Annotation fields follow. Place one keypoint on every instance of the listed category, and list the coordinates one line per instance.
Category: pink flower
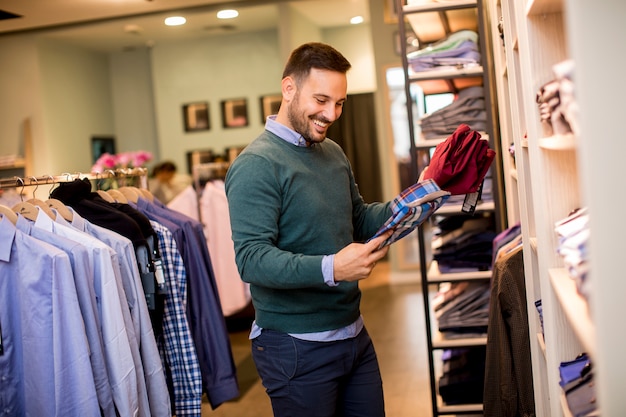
(131, 159)
(139, 158)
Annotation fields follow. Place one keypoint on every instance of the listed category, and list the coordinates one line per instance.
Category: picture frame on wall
(101, 145)
(235, 113)
(269, 105)
(196, 116)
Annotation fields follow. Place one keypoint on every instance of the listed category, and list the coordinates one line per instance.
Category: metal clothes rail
(121, 174)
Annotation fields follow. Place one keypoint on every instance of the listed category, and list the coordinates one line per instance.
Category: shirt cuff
(328, 262)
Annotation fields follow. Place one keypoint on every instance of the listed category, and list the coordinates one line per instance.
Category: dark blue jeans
(321, 379)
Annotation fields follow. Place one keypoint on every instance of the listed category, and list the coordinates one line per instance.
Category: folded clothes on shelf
(578, 385)
(558, 110)
(573, 232)
(468, 108)
(459, 49)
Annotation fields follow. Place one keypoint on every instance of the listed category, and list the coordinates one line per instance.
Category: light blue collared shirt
(82, 268)
(116, 341)
(154, 400)
(45, 367)
(295, 138)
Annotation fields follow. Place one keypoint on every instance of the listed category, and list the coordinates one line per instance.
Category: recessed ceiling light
(227, 14)
(175, 21)
(356, 20)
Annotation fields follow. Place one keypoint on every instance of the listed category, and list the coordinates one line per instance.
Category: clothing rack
(120, 174)
(208, 171)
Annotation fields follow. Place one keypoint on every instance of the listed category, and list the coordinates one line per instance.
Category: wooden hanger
(60, 208)
(108, 197)
(118, 196)
(146, 194)
(26, 209)
(131, 193)
(8, 213)
(46, 208)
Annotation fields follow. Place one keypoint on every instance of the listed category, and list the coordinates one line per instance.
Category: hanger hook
(51, 178)
(36, 185)
(18, 181)
(98, 184)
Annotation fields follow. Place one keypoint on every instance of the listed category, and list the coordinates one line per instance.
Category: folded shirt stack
(459, 49)
(468, 108)
(573, 233)
(557, 105)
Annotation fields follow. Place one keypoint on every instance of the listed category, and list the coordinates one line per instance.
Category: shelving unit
(432, 21)
(554, 174)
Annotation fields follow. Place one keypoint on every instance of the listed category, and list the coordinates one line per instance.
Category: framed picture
(196, 116)
(269, 105)
(235, 113)
(101, 145)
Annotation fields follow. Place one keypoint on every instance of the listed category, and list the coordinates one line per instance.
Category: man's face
(317, 103)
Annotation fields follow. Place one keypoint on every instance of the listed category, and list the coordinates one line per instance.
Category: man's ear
(288, 88)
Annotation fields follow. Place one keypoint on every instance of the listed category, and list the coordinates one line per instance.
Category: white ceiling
(120, 24)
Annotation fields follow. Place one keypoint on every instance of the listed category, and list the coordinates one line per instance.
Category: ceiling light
(175, 21)
(356, 20)
(227, 14)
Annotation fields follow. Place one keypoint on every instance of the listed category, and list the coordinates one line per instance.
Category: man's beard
(301, 123)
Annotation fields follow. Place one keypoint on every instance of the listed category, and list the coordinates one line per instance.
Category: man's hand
(356, 261)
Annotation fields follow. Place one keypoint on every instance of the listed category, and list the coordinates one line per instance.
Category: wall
(20, 91)
(212, 69)
(133, 103)
(63, 91)
(77, 103)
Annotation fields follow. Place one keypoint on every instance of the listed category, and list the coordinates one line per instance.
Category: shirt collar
(284, 132)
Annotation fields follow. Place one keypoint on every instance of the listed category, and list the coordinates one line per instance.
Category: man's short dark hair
(165, 166)
(314, 55)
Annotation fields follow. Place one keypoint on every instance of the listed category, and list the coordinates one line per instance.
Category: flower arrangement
(132, 159)
(123, 160)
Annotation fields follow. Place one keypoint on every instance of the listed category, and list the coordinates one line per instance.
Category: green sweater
(289, 206)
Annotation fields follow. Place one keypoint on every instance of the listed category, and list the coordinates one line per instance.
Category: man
(166, 182)
(296, 217)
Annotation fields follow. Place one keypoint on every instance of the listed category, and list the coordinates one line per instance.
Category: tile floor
(395, 319)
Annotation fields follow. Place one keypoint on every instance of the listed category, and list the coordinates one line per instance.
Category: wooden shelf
(446, 74)
(425, 7)
(423, 143)
(575, 307)
(539, 7)
(17, 163)
(436, 277)
(461, 408)
(456, 208)
(559, 143)
(439, 342)
(542, 343)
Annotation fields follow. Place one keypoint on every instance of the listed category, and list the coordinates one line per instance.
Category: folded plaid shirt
(411, 207)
